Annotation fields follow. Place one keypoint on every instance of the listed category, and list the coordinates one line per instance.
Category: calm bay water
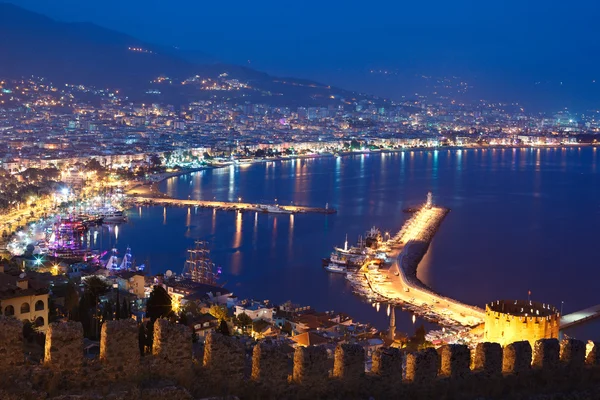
(522, 219)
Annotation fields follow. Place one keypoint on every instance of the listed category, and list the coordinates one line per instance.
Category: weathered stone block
(269, 365)
(488, 359)
(224, 356)
(310, 365)
(172, 349)
(119, 348)
(64, 345)
(349, 361)
(572, 353)
(516, 357)
(11, 343)
(546, 353)
(387, 362)
(456, 360)
(422, 367)
(592, 353)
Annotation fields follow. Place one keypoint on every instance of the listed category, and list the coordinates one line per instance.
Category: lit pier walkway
(394, 285)
(224, 205)
(579, 317)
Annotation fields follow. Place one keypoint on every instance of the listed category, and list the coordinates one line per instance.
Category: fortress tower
(508, 321)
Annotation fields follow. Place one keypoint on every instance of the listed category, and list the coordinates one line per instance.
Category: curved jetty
(397, 283)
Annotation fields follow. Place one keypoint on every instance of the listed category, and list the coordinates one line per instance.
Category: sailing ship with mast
(199, 267)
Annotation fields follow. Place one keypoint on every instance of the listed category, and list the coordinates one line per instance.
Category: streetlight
(117, 309)
(562, 303)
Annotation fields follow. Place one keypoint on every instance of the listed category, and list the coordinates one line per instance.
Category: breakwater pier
(231, 206)
(397, 283)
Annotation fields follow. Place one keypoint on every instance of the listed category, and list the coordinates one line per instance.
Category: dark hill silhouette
(85, 53)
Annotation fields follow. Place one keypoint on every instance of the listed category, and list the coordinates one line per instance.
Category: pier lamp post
(562, 303)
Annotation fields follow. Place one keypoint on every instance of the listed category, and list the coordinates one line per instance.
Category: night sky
(504, 44)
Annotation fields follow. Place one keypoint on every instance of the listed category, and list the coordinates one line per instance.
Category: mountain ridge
(86, 53)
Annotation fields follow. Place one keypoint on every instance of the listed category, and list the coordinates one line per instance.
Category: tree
(420, 335)
(28, 331)
(223, 328)
(260, 153)
(94, 287)
(142, 338)
(125, 311)
(155, 160)
(244, 321)
(107, 315)
(183, 319)
(71, 300)
(158, 304)
(190, 308)
(287, 328)
(260, 325)
(218, 312)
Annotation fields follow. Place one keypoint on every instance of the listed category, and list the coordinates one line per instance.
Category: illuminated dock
(235, 206)
(398, 284)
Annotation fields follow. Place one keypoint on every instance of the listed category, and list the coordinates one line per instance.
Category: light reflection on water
(520, 220)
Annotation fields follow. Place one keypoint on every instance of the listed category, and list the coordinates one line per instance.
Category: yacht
(336, 268)
(274, 209)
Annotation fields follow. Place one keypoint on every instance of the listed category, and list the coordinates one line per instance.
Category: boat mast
(199, 267)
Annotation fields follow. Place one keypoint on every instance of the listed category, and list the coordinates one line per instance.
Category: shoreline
(138, 189)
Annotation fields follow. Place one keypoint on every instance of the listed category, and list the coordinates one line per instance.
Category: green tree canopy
(94, 287)
(244, 321)
(158, 304)
(218, 312)
(71, 300)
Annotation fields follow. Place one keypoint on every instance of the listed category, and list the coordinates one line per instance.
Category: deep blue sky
(506, 44)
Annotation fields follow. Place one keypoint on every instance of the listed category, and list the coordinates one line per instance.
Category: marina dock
(231, 206)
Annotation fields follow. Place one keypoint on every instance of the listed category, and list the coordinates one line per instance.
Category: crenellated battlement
(509, 320)
(267, 371)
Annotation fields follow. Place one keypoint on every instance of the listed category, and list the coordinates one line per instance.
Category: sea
(523, 224)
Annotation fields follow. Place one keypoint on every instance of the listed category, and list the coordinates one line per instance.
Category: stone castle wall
(228, 368)
(506, 327)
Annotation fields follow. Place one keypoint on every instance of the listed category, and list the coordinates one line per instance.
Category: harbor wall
(412, 254)
(415, 250)
(269, 371)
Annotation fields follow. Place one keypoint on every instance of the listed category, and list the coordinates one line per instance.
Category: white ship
(273, 209)
(113, 261)
(336, 268)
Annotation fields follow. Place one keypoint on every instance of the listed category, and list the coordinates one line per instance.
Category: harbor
(382, 269)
